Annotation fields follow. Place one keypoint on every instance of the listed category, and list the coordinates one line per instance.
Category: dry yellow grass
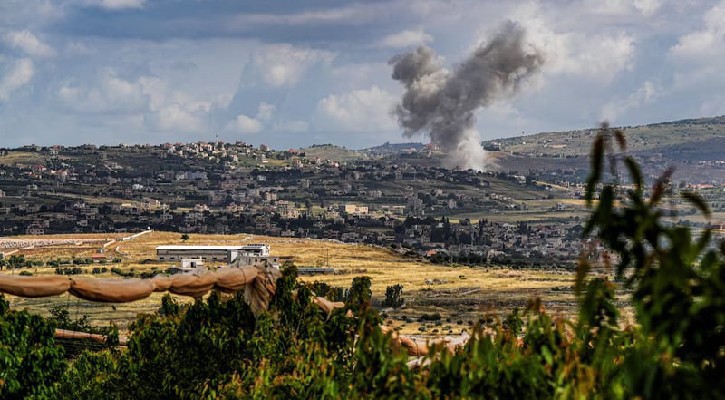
(22, 157)
(384, 266)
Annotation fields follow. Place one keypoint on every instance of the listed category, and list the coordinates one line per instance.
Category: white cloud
(78, 48)
(108, 94)
(244, 124)
(28, 43)
(116, 4)
(265, 111)
(156, 90)
(707, 43)
(406, 38)
(349, 14)
(177, 117)
(311, 17)
(284, 65)
(599, 56)
(713, 106)
(172, 110)
(647, 7)
(149, 98)
(646, 94)
(366, 110)
(18, 75)
(698, 59)
(294, 126)
(623, 7)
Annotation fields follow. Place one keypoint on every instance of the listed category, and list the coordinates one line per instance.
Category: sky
(292, 73)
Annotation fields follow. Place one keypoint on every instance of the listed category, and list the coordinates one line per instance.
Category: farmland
(456, 293)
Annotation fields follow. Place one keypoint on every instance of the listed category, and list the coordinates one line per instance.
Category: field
(331, 152)
(458, 294)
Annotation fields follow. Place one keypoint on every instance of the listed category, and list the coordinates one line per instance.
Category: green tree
(394, 296)
(678, 280)
(16, 261)
(30, 361)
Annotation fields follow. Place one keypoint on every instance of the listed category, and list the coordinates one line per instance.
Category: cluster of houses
(235, 187)
(492, 241)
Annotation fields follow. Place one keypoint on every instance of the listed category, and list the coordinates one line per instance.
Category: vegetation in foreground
(219, 349)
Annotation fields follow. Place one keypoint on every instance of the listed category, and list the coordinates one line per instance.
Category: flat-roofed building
(251, 254)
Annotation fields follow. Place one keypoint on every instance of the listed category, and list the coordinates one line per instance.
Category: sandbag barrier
(75, 335)
(258, 284)
(112, 290)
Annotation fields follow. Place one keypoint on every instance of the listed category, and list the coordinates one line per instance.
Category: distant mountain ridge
(702, 138)
(706, 135)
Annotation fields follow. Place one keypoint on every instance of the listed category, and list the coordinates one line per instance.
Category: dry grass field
(22, 157)
(460, 294)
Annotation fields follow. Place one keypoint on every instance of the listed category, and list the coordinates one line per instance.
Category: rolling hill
(703, 138)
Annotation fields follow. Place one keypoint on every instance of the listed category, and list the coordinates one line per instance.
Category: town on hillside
(525, 209)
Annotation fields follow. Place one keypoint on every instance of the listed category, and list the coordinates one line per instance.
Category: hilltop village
(395, 196)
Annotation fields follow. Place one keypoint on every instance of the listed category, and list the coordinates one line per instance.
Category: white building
(251, 254)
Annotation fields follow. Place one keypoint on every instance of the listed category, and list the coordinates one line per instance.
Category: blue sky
(291, 73)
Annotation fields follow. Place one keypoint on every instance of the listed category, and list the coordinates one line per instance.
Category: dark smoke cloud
(442, 103)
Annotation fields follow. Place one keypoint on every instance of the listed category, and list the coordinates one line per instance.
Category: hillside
(388, 148)
(702, 136)
(331, 152)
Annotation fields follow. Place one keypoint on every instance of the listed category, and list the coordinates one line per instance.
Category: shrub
(393, 296)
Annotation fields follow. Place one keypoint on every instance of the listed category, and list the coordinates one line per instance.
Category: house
(35, 229)
(99, 257)
(352, 209)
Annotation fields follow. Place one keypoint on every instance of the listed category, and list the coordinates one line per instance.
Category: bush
(430, 317)
(69, 271)
(30, 361)
(393, 296)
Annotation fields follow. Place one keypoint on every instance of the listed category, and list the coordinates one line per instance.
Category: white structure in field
(251, 254)
(189, 265)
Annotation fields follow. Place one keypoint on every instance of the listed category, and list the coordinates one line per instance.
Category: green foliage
(678, 284)
(18, 261)
(394, 296)
(69, 271)
(30, 361)
(92, 375)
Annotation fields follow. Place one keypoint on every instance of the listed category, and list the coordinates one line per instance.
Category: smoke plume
(442, 102)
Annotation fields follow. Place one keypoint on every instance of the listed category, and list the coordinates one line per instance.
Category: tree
(16, 261)
(30, 361)
(393, 296)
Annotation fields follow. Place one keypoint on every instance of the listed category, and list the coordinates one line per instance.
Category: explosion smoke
(442, 103)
